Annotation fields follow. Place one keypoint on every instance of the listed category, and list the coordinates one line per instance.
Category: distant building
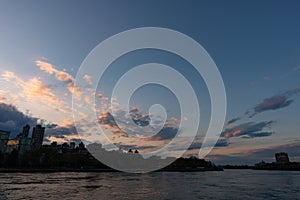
(24, 145)
(282, 158)
(81, 145)
(37, 136)
(25, 132)
(72, 145)
(4, 137)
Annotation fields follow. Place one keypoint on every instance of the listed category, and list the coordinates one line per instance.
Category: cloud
(166, 133)
(222, 142)
(275, 102)
(59, 75)
(13, 120)
(33, 88)
(88, 79)
(249, 129)
(107, 119)
(296, 68)
(233, 120)
(138, 118)
(61, 131)
(259, 134)
(3, 99)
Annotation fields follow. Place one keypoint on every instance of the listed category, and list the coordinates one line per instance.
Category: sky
(255, 45)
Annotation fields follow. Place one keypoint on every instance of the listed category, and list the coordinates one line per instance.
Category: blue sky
(255, 45)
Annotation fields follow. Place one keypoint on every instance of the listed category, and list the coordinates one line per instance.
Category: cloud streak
(59, 75)
(249, 129)
(233, 120)
(275, 102)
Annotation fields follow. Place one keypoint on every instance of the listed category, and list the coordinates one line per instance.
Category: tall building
(25, 132)
(282, 158)
(72, 145)
(37, 136)
(24, 140)
(24, 144)
(4, 137)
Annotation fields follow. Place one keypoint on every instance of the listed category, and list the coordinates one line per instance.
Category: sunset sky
(255, 44)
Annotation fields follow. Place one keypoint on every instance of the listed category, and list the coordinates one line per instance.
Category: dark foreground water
(229, 184)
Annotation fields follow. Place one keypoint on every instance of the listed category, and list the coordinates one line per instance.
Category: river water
(228, 184)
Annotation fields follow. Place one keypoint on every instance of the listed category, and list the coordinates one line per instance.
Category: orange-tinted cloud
(249, 129)
(2, 99)
(34, 87)
(59, 74)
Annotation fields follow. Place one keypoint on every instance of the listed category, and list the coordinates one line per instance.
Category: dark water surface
(229, 184)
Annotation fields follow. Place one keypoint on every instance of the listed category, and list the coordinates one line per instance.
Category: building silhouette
(72, 145)
(282, 158)
(24, 145)
(4, 137)
(37, 136)
(25, 132)
(24, 140)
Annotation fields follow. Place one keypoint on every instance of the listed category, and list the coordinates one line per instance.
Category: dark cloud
(126, 147)
(138, 118)
(13, 120)
(166, 133)
(233, 120)
(275, 102)
(260, 134)
(222, 142)
(250, 129)
(107, 119)
(61, 131)
(59, 136)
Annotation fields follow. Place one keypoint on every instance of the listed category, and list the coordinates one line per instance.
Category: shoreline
(4, 170)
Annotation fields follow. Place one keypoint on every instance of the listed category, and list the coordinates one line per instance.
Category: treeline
(47, 157)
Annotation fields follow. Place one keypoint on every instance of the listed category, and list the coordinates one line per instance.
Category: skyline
(257, 55)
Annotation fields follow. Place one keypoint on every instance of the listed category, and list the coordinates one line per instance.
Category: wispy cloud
(3, 99)
(166, 133)
(59, 74)
(296, 68)
(32, 88)
(222, 142)
(250, 129)
(233, 120)
(274, 103)
(35, 87)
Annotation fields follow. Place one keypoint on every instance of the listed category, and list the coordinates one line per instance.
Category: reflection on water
(229, 184)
